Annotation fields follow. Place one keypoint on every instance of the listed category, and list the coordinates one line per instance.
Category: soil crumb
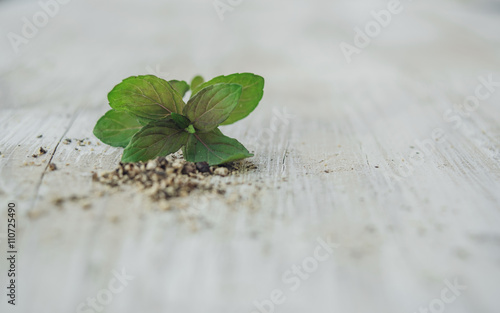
(41, 151)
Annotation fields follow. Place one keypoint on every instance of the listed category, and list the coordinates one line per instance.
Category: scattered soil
(83, 142)
(33, 163)
(171, 176)
(59, 201)
(52, 166)
(79, 142)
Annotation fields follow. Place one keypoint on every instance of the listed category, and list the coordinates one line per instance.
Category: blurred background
(288, 42)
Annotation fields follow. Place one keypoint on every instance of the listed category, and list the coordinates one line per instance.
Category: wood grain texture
(335, 149)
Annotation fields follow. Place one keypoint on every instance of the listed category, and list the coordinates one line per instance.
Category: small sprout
(157, 122)
(190, 129)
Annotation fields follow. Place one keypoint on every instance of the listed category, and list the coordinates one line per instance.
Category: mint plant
(149, 117)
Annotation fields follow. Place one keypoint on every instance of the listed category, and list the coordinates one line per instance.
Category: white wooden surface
(326, 172)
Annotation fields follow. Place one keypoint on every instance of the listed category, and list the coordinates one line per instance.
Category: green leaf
(214, 148)
(180, 86)
(197, 80)
(253, 90)
(212, 106)
(116, 128)
(158, 138)
(180, 120)
(146, 96)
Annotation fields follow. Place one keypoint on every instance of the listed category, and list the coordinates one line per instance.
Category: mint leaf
(180, 120)
(197, 80)
(116, 128)
(253, 90)
(214, 148)
(146, 96)
(180, 86)
(212, 106)
(158, 138)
